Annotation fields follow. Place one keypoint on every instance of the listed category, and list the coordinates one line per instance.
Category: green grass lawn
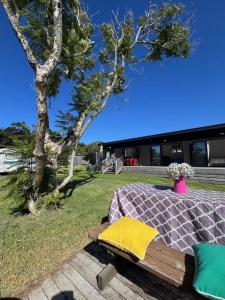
(31, 247)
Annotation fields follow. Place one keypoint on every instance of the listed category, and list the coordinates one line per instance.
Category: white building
(8, 160)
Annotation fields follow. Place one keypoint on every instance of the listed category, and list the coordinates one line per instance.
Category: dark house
(200, 147)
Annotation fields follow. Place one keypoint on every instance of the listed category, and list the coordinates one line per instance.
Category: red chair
(135, 162)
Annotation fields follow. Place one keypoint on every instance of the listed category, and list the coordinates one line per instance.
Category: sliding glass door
(172, 153)
(199, 157)
(155, 155)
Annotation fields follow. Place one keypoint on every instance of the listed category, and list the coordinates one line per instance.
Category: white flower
(175, 171)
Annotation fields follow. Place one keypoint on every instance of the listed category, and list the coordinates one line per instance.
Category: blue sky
(171, 95)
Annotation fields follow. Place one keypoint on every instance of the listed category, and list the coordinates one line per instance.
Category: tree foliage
(17, 131)
(35, 19)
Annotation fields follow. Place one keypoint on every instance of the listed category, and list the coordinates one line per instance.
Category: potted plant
(178, 173)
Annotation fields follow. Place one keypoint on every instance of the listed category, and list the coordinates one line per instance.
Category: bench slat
(166, 272)
(167, 259)
(160, 247)
(169, 264)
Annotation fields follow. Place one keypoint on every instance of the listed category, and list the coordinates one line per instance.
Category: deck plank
(87, 272)
(37, 294)
(136, 279)
(115, 283)
(51, 290)
(81, 283)
(140, 280)
(77, 280)
(66, 286)
(136, 289)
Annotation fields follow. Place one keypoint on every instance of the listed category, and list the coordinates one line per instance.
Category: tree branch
(105, 96)
(70, 171)
(54, 57)
(15, 26)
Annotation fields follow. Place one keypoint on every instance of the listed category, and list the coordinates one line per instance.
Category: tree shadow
(67, 191)
(64, 295)
(19, 210)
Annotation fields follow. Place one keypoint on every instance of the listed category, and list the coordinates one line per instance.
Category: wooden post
(109, 271)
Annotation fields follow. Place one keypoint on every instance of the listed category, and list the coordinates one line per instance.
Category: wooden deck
(202, 174)
(77, 281)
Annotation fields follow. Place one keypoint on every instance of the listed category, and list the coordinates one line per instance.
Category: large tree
(54, 35)
(61, 33)
(17, 13)
(158, 33)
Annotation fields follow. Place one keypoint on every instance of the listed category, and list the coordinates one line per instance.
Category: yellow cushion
(129, 235)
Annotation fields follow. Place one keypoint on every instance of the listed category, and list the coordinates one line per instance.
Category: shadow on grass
(70, 187)
(67, 191)
(19, 210)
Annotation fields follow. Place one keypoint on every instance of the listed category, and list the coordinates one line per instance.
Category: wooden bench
(169, 264)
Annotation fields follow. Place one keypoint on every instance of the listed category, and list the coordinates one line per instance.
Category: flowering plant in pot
(178, 173)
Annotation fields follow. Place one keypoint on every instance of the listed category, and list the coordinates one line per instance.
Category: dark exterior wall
(130, 151)
(144, 155)
(217, 149)
(119, 152)
(186, 152)
(215, 146)
(216, 153)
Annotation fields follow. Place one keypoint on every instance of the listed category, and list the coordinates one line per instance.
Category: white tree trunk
(71, 141)
(42, 120)
(42, 73)
(70, 171)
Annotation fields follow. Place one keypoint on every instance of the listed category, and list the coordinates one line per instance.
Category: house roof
(206, 132)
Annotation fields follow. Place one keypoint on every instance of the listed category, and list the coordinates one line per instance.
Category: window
(155, 155)
(199, 156)
(177, 148)
(171, 153)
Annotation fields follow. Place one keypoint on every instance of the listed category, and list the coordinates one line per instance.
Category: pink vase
(180, 186)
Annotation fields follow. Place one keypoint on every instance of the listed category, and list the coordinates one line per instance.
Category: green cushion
(210, 270)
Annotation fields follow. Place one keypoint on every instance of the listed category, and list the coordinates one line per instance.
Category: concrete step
(210, 180)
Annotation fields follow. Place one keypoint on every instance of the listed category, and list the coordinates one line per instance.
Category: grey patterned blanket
(182, 220)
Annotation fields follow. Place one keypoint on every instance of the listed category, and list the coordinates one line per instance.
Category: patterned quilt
(182, 220)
